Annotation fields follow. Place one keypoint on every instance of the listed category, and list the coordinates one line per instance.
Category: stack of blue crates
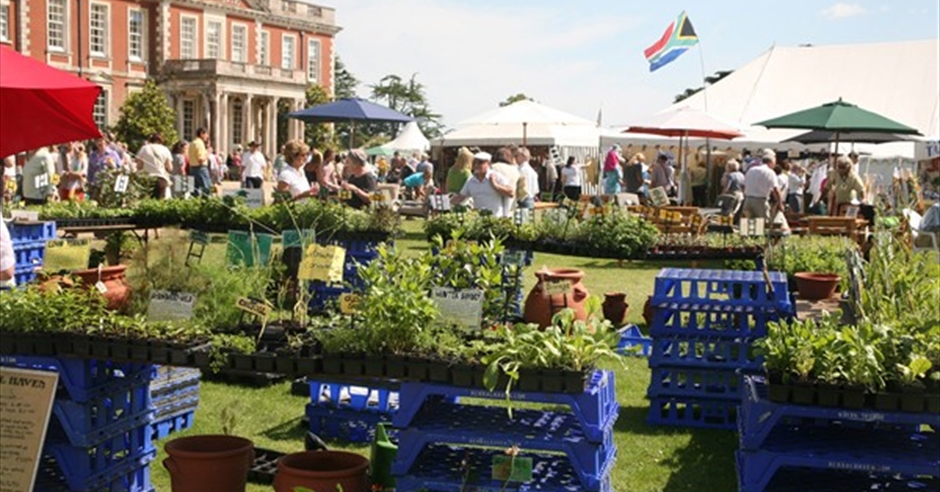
(445, 445)
(174, 392)
(347, 412)
(29, 247)
(357, 253)
(789, 446)
(99, 434)
(704, 324)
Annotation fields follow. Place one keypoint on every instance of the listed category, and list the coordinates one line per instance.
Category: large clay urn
(540, 307)
(118, 291)
(322, 470)
(615, 307)
(209, 463)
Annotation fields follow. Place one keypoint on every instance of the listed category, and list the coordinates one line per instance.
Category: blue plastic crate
(30, 254)
(172, 423)
(532, 430)
(892, 453)
(738, 287)
(343, 424)
(322, 295)
(168, 379)
(692, 412)
(725, 320)
(633, 342)
(795, 479)
(443, 468)
(595, 408)
(85, 468)
(24, 276)
(184, 399)
(760, 417)
(695, 383)
(706, 353)
(127, 479)
(85, 379)
(99, 419)
(32, 231)
(352, 397)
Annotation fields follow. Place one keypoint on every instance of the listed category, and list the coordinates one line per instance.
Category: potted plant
(322, 470)
(209, 463)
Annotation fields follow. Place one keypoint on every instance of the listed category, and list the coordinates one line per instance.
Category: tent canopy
(537, 124)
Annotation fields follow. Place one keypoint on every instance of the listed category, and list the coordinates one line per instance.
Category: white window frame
(105, 28)
(188, 118)
(141, 36)
(244, 40)
(264, 51)
(4, 21)
(99, 111)
(194, 43)
(313, 59)
(216, 49)
(238, 120)
(63, 28)
(293, 52)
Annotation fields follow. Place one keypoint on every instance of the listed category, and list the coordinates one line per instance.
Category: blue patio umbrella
(352, 110)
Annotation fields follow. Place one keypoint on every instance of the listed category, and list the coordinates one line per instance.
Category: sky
(586, 56)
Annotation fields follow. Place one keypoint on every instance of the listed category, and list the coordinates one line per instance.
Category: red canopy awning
(41, 105)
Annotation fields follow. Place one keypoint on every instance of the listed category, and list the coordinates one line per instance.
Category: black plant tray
(265, 465)
(93, 222)
(131, 349)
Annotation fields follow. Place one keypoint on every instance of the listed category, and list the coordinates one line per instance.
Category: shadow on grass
(288, 430)
(705, 463)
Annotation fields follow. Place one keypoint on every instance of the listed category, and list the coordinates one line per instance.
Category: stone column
(299, 125)
(217, 121)
(249, 121)
(274, 136)
(271, 117)
(179, 115)
(224, 141)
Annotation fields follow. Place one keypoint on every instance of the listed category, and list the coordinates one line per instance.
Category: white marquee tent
(898, 80)
(409, 139)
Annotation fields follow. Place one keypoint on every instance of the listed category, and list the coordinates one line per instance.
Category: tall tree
(710, 80)
(408, 98)
(144, 113)
(318, 134)
(515, 98)
(344, 82)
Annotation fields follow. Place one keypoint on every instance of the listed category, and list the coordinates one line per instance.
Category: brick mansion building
(229, 65)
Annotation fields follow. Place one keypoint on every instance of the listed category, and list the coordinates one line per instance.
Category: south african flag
(679, 36)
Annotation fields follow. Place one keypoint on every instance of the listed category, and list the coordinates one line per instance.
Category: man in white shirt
(155, 160)
(530, 177)
(253, 166)
(760, 184)
(37, 176)
(487, 188)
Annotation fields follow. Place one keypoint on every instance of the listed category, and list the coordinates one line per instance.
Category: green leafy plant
(821, 254)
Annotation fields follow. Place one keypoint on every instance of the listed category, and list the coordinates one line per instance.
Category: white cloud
(842, 10)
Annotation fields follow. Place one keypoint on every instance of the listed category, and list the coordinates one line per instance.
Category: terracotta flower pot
(615, 307)
(322, 471)
(816, 286)
(540, 307)
(118, 291)
(209, 463)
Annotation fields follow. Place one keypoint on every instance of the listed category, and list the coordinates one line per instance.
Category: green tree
(345, 82)
(515, 98)
(710, 80)
(408, 98)
(318, 135)
(144, 113)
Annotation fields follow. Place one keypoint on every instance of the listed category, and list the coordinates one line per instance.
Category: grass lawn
(649, 458)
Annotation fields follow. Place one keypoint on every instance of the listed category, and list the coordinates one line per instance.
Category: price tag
(253, 306)
(101, 287)
(349, 303)
(121, 182)
(512, 468)
(556, 287)
(513, 258)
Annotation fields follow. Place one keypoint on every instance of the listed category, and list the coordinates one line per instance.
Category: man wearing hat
(487, 188)
(253, 166)
(760, 184)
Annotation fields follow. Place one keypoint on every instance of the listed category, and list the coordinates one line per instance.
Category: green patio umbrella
(839, 117)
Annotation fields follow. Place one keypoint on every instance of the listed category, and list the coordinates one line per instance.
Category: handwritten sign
(254, 197)
(462, 307)
(512, 258)
(24, 215)
(512, 468)
(349, 303)
(254, 306)
(26, 398)
(168, 306)
(658, 197)
(324, 263)
(556, 287)
(121, 182)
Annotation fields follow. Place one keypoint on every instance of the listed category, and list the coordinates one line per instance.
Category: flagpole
(708, 144)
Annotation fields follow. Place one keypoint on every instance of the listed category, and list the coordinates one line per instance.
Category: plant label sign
(512, 468)
(513, 258)
(658, 197)
(463, 307)
(101, 287)
(254, 197)
(556, 287)
(521, 216)
(169, 306)
(26, 398)
(349, 303)
(752, 227)
(24, 215)
(323, 263)
(440, 203)
(121, 182)
(253, 306)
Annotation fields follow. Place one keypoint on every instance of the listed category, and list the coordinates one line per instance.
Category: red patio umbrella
(41, 105)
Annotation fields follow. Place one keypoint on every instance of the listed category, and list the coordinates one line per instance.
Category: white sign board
(169, 306)
(254, 197)
(26, 398)
(121, 182)
(24, 215)
(462, 307)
